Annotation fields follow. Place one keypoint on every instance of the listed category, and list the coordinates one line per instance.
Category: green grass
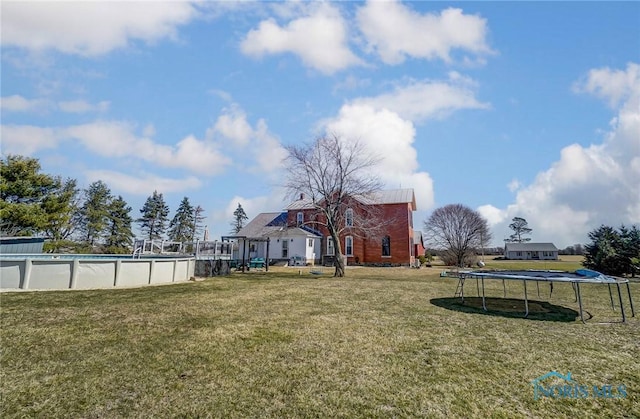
(380, 343)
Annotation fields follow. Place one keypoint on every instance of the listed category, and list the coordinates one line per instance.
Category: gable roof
(261, 225)
(272, 224)
(529, 247)
(390, 196)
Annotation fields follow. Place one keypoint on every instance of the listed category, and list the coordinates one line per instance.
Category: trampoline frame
(545, 276)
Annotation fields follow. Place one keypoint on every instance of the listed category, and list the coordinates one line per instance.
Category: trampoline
(576, 278)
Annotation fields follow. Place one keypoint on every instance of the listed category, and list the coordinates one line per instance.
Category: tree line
(90, 220)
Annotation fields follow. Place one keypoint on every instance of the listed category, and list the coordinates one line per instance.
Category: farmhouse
(268, 236)
(298, 234)
(531, 251)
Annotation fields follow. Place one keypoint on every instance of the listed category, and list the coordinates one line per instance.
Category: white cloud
(589, 186)
(420, 100)
(390, 138)
(268, 151)
(17, 103)
(232, 124)
(259, 143)
(142, 183)
(514, 185)
(319, 38)
(27, 139)
(613, 86)
(115, 139)
(90, 28)
(82, 106)
(118, 139)
(394, 31)
(492, 214)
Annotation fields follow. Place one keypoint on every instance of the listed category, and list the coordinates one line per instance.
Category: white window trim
(300, 218)
(346, 247)
(347, 218)
(332, 247)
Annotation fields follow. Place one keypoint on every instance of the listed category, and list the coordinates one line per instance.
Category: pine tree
(62, 216)
(239, 218)
(182, 226)
(94, 213)
(198, 218)
(520, 227)
(119, 235)
(23, 190)
(154, 219)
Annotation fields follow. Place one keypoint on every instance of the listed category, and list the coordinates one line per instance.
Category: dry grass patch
(291, 344)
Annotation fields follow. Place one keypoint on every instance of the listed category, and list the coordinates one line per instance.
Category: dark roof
(531, 247)
(273, 224)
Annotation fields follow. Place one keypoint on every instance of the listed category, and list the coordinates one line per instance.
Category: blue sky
(527, 109)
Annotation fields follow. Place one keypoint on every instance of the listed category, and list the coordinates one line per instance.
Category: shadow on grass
(508, 307)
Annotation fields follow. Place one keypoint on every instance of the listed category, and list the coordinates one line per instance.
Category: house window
(285, 248)
(348, 245)
(386, 246)
(300, 218)
(348, 217)
(330, 249)
(310, 244)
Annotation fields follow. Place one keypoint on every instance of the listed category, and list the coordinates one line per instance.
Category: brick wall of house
(369, 250)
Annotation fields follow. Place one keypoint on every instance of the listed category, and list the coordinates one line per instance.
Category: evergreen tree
(62, 214)
(198, 218)
(119, 236)
(239, 218)
(23, 191)
(613, 252)
(153, 221)
(520, 227)
(182, 226)
(95, 212)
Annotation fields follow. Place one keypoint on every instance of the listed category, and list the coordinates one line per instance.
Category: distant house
(530, 251)
(269, 237)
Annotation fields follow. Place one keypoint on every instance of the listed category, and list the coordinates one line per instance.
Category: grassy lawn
(379, 343)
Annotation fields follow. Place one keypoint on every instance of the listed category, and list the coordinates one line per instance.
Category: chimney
(301, 196)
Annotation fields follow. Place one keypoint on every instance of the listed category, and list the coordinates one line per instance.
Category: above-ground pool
(58, 271)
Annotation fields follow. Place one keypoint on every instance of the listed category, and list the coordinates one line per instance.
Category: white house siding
(531, 251)
(528, 255)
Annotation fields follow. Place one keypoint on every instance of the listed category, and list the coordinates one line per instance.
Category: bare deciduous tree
(458, 231)
(335, 174)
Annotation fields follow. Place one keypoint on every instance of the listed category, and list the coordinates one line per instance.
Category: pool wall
(33, 273)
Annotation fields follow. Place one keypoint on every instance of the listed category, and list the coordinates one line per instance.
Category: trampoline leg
(538, 287)
(613, 306)
(478, 287)
(573, 285)
(526, 302)
(550, 290)
(579, 301)
(624, 318)
(505, 289)
(462, 290)
(484, 305)
(633, 311)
